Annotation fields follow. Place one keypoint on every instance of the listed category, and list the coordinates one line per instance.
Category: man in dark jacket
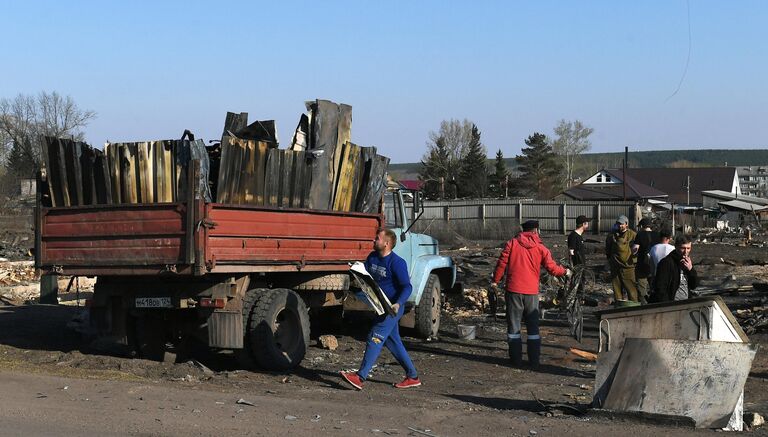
(645, 239)
(521, 261)
(675, 275)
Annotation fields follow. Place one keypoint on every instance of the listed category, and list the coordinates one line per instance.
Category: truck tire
(276, 325)
(332, 282)
(428, 310)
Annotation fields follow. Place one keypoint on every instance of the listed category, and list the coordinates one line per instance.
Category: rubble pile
(15, 246)
(19, 282)
(754, 319)
(17, 273)
(471, 302)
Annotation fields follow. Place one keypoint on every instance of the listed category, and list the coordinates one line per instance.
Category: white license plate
(153, 302)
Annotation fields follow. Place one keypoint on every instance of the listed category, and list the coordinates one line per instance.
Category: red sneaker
(353, 379)
(408, 383)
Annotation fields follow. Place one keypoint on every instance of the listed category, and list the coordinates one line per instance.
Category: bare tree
(446, 148)
(572, 140)
(25, 119)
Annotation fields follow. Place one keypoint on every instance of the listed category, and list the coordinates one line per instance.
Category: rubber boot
(516, 352)
(534, 352)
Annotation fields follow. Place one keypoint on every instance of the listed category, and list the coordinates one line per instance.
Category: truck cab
(430, 272)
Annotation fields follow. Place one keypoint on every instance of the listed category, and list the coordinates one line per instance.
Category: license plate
(153, 302)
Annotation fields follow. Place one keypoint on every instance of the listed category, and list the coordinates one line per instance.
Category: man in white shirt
(659, 251)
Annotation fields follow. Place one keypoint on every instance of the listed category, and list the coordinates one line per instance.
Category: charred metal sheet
(233, 123)
(377, 183)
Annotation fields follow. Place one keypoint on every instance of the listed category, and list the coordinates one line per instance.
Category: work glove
(568, 273)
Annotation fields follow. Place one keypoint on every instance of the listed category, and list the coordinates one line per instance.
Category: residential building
(754, 180)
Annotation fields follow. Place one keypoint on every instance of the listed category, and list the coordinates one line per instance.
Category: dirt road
(51, 387)
(53, 384)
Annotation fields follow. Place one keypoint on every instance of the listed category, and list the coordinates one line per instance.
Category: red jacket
(521, 260)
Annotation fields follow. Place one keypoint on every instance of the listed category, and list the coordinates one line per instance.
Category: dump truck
(230, 277)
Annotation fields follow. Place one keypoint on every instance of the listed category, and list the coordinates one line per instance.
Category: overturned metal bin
(706, 320)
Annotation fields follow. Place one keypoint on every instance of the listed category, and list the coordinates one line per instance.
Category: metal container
(466, 332)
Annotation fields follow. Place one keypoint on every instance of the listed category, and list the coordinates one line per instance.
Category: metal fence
(553, 216)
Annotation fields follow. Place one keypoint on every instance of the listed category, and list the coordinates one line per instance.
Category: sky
(651, 75)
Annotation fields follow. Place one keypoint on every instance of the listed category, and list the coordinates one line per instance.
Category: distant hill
(591, 162)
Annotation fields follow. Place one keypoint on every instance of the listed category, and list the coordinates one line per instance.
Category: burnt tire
(428, 310)
(276, 327)
(332, 282)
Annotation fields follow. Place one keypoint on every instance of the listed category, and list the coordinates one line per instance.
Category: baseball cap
(530, 225)
(623, 220)
(581, 219)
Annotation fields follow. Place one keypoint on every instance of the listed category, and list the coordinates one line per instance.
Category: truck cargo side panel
(272, 236)
(136, 235)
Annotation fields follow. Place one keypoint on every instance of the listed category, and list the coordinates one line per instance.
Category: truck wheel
(276, 328)
(332, 282)
(428, 310)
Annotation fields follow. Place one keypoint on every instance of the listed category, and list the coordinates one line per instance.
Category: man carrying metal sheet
(391, 274)
(521, 261)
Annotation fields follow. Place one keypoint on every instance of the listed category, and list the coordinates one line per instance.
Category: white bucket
(466, 332)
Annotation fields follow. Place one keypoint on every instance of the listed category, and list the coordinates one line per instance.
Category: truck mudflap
(425, 265)
(225, 329)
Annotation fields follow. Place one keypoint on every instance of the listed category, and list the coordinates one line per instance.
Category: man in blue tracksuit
(391, 273)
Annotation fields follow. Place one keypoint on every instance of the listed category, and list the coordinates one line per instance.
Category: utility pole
(506, 186)
(624, 172)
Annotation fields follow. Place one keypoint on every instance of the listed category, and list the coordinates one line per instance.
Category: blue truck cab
(431, 273)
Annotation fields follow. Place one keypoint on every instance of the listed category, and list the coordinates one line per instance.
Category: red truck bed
(209, 238)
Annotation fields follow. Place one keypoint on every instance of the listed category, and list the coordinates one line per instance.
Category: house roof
(673, 181)
(412, 184)
(741, 205)
(726, 195)
(635, 190)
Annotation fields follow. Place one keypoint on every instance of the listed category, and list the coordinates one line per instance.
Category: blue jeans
(386, 332)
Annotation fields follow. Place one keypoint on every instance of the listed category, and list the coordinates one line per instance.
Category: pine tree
(473, 175)
(500, 177)
(21, 161)
(434, 172)
(539, 167)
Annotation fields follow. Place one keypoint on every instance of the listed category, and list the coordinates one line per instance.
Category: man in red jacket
(521, 261)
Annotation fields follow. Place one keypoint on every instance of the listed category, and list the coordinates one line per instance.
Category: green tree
(434, 172)
(572, 140)
(539, 167)
(499, 179)
(473, 174)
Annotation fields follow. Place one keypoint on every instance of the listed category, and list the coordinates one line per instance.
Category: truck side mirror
(417, 201)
